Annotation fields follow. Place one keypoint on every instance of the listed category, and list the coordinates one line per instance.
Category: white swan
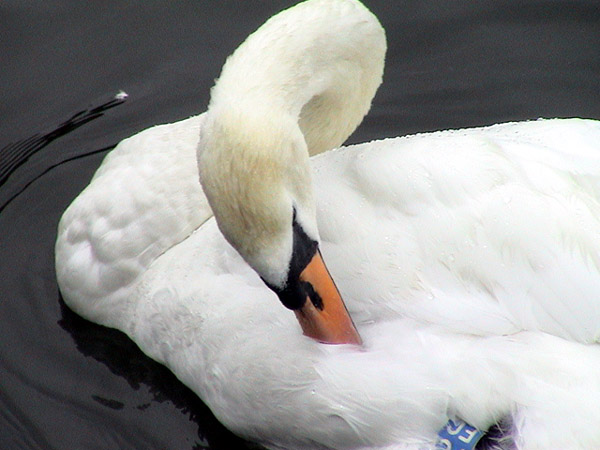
(468, 260)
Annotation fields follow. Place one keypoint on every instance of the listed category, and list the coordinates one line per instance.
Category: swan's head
(255, 172)
(297, 86)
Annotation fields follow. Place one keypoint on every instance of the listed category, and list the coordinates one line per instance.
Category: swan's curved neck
(319, 62)
(297, 86)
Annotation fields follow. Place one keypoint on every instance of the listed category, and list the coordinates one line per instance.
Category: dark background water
(68, 384)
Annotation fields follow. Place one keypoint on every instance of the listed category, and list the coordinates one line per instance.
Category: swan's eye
(313, 295)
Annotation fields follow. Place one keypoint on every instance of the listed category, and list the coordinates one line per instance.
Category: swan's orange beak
(324, 316)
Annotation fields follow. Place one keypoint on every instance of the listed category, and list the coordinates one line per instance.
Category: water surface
(68, 384)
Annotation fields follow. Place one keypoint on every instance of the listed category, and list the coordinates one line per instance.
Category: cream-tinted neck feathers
(320, 62)
(252, 189)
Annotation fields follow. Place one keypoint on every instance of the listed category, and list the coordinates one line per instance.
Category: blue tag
(458, 435)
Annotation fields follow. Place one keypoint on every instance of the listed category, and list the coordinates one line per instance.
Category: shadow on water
(123, 358)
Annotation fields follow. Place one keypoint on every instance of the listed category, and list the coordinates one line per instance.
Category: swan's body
(469, 261)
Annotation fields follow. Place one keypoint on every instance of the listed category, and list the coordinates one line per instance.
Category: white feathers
(456, 267)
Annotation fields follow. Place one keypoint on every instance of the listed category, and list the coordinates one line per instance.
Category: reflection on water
(18, 153)
(67, 383)
(124, 359)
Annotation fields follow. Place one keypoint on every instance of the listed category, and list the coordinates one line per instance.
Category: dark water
(68, 384)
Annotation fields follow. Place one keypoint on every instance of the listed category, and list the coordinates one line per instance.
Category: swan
(457, 272)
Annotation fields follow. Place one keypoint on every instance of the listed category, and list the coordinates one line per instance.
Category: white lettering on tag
(454, 431)
(470, 435)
